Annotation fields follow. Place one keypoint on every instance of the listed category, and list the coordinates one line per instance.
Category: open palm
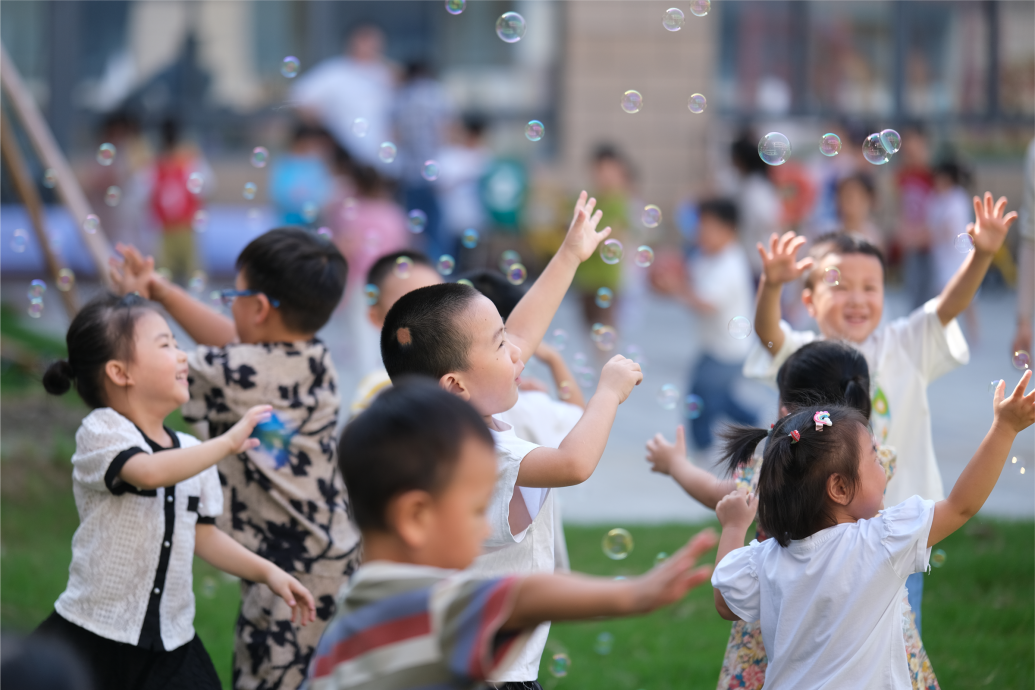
(582, 238)
(990, 225)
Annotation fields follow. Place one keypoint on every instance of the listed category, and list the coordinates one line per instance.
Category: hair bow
(822, 419)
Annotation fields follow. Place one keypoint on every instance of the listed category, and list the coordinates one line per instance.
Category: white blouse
(130, 579)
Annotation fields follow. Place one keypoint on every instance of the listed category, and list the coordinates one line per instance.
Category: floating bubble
(446, 264)
(644, 256)
(674, 19)
(91, 224)
(386, 152)
(289, 67)
(604, 297)
(209, 587)
(50, 178)
(611, 251)
(106, 154)
(403, 267)
(250, 191)
(260, 157)
(65, 279)
(510, 27)
(605, 641)
(1021, 360)
(455, 6)
(310, 211)
(560, 664)
(770, 344)
(429, 171)
(508, 258)
(891, 140)
(198, 281)
(372, 294)
(565, 389)
(832, 276)
(668, 396)
(874, 151)
(617, 544)
(635, 353)
(516, 274)
(559, 339)
(964, 243)
(993, 385)
(651, 217)
(937, 558)
(255, 215)
(830, 144)
(699, 8)
(580, 359)
(632, 101)
(37, 289)
(360, 127)
(112, 196)
(739, 327)
(470, 238)
(36, 309)
(694, 406)
(324, 232)
(697, 103)
(416, 221)
(19, 240)
(200, 221)
(605, 337)
(465, 281)
(774, 148)
(660, 558)
(534, 130)
(195, 182)
(586, 376)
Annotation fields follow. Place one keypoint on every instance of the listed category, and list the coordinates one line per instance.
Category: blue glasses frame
(228, 296)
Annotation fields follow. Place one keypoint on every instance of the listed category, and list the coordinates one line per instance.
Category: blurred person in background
(949, 210)
(358, 85)
(120, 193)
(463, 163)
(300, 181)
(856, 200)
(174, 204)
(913, 238)
(1026, 258)
(758, 205)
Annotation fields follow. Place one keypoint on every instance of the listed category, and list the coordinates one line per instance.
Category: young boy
(844, 293)
(287, 500)
(421, 466)
(455, 335)
(719, 290)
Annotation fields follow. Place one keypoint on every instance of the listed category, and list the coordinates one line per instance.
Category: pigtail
(58, 378)
(739, 443)
(857, 395)
(780, 476)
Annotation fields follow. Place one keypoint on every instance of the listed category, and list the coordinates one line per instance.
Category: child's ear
(410, 515)
(118, 373)
(263, 309)
(837, 490)
(453, 383)
(806, 299)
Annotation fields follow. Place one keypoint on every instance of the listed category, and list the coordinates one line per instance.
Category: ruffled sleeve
(736, 578)
(905, 529)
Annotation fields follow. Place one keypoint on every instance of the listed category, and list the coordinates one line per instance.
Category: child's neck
(150, 422)
(381, 546)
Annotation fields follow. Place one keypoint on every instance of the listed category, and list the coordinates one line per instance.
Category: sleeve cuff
(206, 520)
(112, 480)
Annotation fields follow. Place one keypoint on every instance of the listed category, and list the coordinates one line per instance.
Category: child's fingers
(979, 207)
(805, 263)
(774, 240)
(603, 234)
(681, 438)
(697, 576)
(1000, 393)
(590, 205)
(1018, 391)
(579, 204)
(1009, 218)
(1000, 206)
(988, 204)
(702, 542)
(762, 253)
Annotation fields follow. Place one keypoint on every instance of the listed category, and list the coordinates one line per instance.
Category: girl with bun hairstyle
(147, 498)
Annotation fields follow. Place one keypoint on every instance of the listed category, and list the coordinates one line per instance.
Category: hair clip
(795, 436)
(822, 419)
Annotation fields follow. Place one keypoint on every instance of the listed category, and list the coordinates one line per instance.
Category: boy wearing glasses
(286, 500)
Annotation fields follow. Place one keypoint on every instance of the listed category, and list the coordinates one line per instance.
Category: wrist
(768, 286)
(1002, 429)
(158, 288)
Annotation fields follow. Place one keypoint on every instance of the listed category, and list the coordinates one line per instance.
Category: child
(948, 213)
(421, 467)
(455, 335)
(844, 293)
(719, 290)
(147, 498)
(856, 199)
(827, 587)
(289, 505)
(174, 205)
(822, 372)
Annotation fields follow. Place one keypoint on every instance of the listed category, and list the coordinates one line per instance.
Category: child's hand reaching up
(582, 238)
(619, 376)
(662, 455)
(779, 264)
(135, 273)
(990, 225)
(737, 510)
(238, 437)
(1017, 412)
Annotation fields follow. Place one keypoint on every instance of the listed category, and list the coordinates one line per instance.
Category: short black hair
(825, 372)
(422, 335)
(744, 154)
(301, 270)
(954, 170)
(410, 438)
(723, 210)
(840, 243)
(500, 291)
(862, 178)
(386, 264)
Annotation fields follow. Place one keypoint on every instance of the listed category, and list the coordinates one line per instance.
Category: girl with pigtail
(828, 588)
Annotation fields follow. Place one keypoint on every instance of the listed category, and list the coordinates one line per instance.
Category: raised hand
(134, 272)
(990, 225)
(1016, 412)
(619, 376)
(779, 263)
(668, 582)
(737, 509)
(239, 435)
(662, 455)
(582, 238)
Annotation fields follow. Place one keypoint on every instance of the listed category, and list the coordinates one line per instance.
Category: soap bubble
(50, 178)
(635, 353)
(416, 221)
(644, 256)
(632, 101)
(660, 558)
(455, 6)
(580, 359)
(774, 148)
(699, 8)
(674, 19)
(470, 238)
(651, 217)
(611, 251)
(36, 309)
(195, 182)
(465, 281)
(403, 267)
(37, 289)
(668, 396)
(446, 264)
(510, 27)
(65, 279)
(606, 337)
(19, 240)
(209, 587)
(565, 390)
(360, 127)
(694, 406)
(310, 211)
(289, 67)
(617, 544)
(200, 222)
(324, 232)
(260, 157)
(830, 144)
(739, 327)
(516, 274)
(605, 641)
(832, 276)
(993, 385)
(106, 154)
(697, 103)
(604, 297)
(112, 196)
(560, 664)
(586, 377)
(386, 152)
(559, 339)
(937, 558)
(91, 224)
(508, 258)
(534, 130)
(429, 171)
(891, 140)
(250, 191)
(874, 151)
(1021, 359)
(372, 294)
(963, 243)
(198, 281)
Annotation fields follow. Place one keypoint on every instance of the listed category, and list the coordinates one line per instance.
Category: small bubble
(964, 243)
(993, 385)
(565, 390)
(605, 641)
(774, 148)
(605, 337)
(360, 127)
(874, 151)
(416, 221)
(559, 339)
(651, 217)
(386, 152)
(198, 282)
(324, 232)
(507, 258)
(694, 406)
(830, 144)
(349, 208)
(195, 182)
(1014, 460)
(403, 267)
(700, 8)
(510, 27)
(517, 274)
(660, 558)
(674, 19)
(446, 264)
(697, 103)
(632, 101)
(65, 279)
(249, 191)
(1021, 359)
(50, 178)
(891, 140)
(37, 289)
(832, 276)
(668, 396)
(465, 281)
(617, 544)
(209, 587)
(455, 6)
(611, 251)
(580, 359)
(112, 196)
(91, 224)
(36, 309)
(534, 130)
(770, 344)
(19, 240)
(635, 353)
(644, 256)
(309, 211)
(560, 664)
(739, 327)
(106, 154)
(604, 297)
(470, 238)
(260, 156)
(586, 376)
(289, 67)
(372, 294)
(937, 558)
(429, 171)
(200, 222)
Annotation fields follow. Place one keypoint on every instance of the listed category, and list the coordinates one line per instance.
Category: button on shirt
(130, 579)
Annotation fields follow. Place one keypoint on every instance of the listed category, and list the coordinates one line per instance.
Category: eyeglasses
(227, 297)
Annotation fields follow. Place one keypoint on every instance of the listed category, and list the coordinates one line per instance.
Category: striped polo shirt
(402, 626)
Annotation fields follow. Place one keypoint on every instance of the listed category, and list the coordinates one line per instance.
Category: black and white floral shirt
(130, 579)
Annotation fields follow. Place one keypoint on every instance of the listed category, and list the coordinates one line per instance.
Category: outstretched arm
(735, 511)
(671, 459)
(988, 232)
(779, 266)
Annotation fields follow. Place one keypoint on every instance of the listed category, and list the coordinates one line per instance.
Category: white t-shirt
(830, 605)
(724, 281)
(538, 418)
(531, 550)
(947, 216)
(904, 356)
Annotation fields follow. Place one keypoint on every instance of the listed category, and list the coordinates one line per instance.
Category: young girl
(824, 372)
(147, 498)
(828, 587)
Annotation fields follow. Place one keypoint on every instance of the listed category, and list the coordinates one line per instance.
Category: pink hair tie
(795, 436)
(822, 419)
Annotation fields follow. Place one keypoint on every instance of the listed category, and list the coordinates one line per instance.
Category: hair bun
(58, 377)
(856, 395)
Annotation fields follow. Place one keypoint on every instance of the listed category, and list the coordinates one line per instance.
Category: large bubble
(874, 151)
(510, 27)
(674, 19)
(774, 148)
(632, 101)
(830, 144)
